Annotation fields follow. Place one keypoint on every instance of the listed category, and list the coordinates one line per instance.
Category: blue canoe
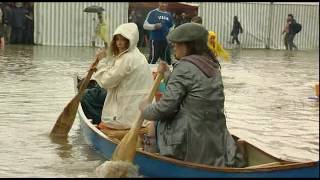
(261, 164)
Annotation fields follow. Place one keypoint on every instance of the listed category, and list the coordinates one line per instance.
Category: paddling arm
(111, 77)
(177, 87)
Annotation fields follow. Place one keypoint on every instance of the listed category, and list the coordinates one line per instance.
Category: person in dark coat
(18, 23)
(236, 29)
(92, 102)
(28, 37)
(290, 33)
(2, 42)
(182, 20)
(198, 135)
(7, 22)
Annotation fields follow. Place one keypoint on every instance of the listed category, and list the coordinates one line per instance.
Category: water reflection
(235, 54)
(65, 148)
(20, 65)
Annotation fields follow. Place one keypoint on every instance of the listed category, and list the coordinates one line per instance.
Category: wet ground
(266, 103)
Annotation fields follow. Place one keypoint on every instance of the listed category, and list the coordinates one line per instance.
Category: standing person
(2, 42)
(18, 23)
(183, 19)
(191, 124)
(139, 22)
(132, 16)
(286, 31)
(28, 38)
(7, 10)
(176, 19)
(159, 22)
(236, 29)
(136, 17)
(125, 75)
(101, 31)
(290, 33)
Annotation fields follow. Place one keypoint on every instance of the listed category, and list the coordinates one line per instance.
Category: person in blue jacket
(159, 22)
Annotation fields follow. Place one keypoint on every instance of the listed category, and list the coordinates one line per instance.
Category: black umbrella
(93, 9)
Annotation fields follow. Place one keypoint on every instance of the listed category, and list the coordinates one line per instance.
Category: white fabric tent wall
(306, 15)
(262, 23)
(65, 23)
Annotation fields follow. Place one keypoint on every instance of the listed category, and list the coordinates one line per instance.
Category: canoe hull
(153, 167)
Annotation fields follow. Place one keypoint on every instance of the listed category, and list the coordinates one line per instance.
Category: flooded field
(266, 103)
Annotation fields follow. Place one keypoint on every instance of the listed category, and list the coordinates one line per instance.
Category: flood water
(266, 104)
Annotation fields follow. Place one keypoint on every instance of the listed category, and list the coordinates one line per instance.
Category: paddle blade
(66, 118)
(126, 149)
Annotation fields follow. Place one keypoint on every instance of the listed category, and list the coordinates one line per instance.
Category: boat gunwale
(285, 166)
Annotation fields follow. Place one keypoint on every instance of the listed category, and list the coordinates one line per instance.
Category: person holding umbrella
(101, 29)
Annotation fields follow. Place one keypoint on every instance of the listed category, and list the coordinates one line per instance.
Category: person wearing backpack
(291, 29)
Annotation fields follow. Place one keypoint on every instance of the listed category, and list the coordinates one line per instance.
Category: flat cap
(188, 32)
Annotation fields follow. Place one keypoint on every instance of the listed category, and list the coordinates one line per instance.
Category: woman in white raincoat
(126, 76)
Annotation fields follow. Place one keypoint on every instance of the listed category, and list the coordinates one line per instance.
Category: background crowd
(16, 22)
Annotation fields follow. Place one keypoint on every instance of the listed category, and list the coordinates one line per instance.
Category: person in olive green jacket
(191, 124)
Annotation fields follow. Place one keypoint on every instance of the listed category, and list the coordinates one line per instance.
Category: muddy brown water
(266, 103)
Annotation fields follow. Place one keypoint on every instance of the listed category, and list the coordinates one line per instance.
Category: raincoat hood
(212, 35)
(216, 47)
(130, 32)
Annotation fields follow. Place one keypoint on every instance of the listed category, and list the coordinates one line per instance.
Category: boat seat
(118, 134)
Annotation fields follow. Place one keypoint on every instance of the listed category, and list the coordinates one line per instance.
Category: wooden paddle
(66, 118)
(126, 149)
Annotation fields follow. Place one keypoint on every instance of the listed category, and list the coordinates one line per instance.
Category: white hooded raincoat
(127, 79)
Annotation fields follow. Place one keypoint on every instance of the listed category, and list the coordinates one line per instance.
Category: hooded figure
(127, 79)
(216, 47)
